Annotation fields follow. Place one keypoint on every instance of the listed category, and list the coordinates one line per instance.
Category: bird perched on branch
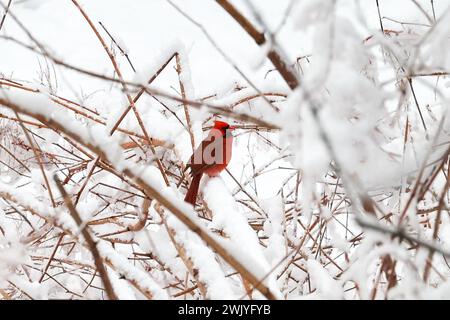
(211, 157)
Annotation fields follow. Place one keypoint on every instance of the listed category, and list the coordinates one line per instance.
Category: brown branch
(52, 221)
(223, 110)
(437, 222)
(125, 89)
(222, 53)
(283, 68)
(417, 104)
(59, 101)
(185, 105)
(140, 224)
(401, 234)
(38, 158)
(139, 94)
(182, 253)
(51, 257)
(91, 243)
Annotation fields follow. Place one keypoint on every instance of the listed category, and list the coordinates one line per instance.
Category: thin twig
(118, 46)
(5, 14)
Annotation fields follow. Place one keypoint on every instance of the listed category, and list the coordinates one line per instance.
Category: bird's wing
(197, 162)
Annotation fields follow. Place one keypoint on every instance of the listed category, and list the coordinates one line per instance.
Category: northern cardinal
(211, 157)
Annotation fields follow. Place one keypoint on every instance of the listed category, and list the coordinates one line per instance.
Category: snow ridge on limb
(226, 217)
(209, 271)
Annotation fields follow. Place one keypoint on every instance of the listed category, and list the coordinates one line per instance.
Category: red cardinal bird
(211, 157)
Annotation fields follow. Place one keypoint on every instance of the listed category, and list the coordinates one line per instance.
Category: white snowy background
(337, 189)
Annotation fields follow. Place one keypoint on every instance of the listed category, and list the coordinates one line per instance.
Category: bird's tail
(191, 195)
